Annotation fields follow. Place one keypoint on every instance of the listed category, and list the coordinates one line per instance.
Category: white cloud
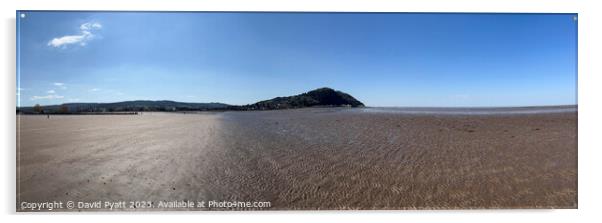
(51, 92)
(94, 89)
(85, 34)
(49, 97)
(60, 85)
(90, 25)
(66, 40)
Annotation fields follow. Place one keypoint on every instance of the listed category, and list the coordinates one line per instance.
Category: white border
(589, 109)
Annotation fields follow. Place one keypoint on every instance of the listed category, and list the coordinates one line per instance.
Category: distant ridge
(320, 97)
(126, 106)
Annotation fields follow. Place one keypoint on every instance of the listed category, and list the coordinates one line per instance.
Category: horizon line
(366, 106)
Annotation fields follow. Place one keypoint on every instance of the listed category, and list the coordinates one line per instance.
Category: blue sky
(393, 59)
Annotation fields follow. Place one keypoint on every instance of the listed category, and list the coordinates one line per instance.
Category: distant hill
(319, 97)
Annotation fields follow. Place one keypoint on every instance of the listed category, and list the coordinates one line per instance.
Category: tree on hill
(63, 109)
(37, 108)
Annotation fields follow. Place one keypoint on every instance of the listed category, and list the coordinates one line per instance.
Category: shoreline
(456, 111)
(473, 110)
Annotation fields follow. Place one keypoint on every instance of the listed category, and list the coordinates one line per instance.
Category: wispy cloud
(49, 97)
(51, 94)
(60, 85)
(94, 89)
(86, 33)
(90, 26)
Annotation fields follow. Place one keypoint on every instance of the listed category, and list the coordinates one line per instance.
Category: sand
(307, 159)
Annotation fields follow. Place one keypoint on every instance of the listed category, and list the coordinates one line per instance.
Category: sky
(382, 59)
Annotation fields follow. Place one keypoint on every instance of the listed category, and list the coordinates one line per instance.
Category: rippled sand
(304, 159)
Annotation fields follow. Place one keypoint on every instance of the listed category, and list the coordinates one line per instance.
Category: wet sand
(312, 159)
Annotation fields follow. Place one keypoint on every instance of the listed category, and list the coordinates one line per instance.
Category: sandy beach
(318, 158)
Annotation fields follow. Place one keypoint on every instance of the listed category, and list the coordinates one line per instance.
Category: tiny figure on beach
(48, 116)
